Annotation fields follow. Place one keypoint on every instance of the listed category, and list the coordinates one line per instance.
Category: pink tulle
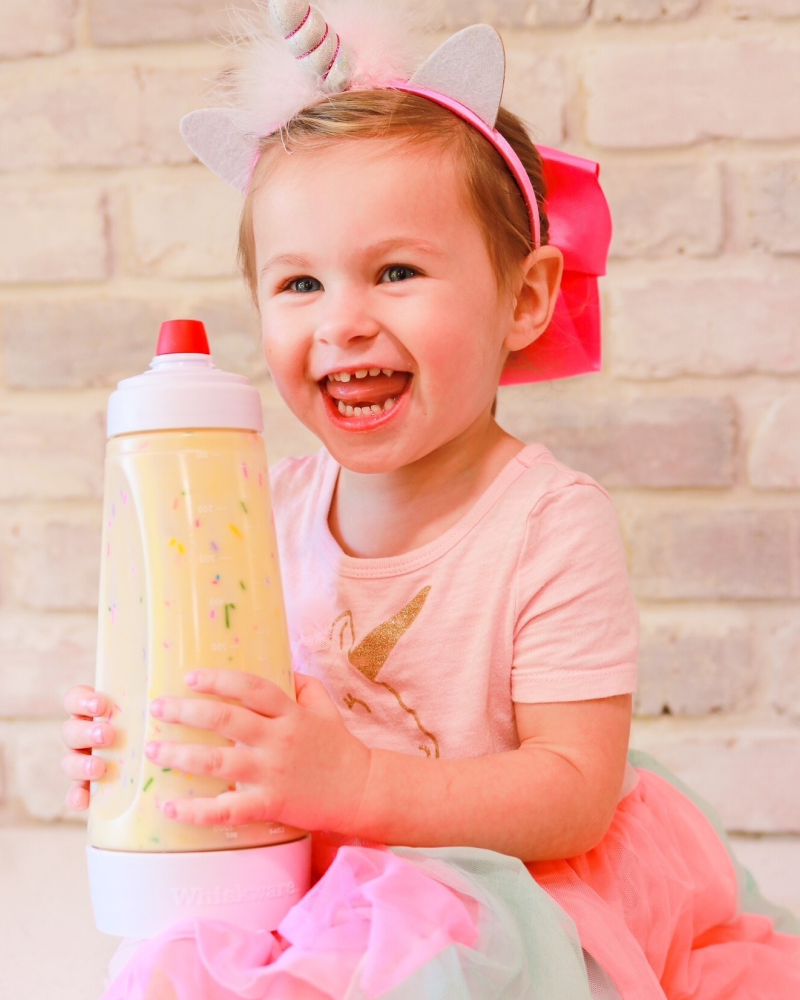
(656, 904)
(373, 912)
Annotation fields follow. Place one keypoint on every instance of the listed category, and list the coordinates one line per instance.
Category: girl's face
(382, 322)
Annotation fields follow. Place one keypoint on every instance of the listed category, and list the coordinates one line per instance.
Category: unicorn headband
(306, 60)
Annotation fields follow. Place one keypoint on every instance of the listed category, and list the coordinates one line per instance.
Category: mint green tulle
(528, 946)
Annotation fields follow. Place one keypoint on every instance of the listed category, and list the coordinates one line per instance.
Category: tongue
(371, 389)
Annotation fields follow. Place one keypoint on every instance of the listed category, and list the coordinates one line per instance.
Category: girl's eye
(398, 272)
(303, 285)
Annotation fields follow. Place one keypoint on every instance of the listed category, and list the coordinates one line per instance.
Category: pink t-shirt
(525, 599)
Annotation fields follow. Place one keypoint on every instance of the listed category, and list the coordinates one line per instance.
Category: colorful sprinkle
(215, 547)
(241, 584)
(212, 614)
(173, 542)
(245, 470)
(124, 498)
(175, 503)
(235, 530)
(165, 770)
(113, 610)
(165, 644)
(147, 784)
(228, 609)
(244, 506)
(197, 523)
(261, 479)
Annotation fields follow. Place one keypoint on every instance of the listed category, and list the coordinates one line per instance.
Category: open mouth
(366, 394)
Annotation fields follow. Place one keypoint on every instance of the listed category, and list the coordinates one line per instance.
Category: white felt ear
(470, 67)
(213, 137)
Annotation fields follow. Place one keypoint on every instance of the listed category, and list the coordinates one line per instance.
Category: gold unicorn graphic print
(370, 655)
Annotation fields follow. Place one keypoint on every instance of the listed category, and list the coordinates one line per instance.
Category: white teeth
(364, 411)
(374, 371)
(362, 373)
(344, 376)
(331, 378)
(388, 371)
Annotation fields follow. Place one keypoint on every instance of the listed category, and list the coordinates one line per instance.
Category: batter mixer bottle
(189, 578)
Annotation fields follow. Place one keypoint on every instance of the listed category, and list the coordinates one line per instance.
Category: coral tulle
(656, 903)
(657, 906)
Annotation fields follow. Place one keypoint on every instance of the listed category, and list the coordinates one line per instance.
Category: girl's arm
(552, 798)
(296, 762)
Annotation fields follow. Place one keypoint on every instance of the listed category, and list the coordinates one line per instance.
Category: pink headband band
(496, 139)
(580, 226)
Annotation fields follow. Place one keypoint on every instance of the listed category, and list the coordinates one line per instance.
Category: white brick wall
(692, 108)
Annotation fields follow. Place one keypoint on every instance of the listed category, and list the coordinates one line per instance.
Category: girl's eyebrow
(375, 250)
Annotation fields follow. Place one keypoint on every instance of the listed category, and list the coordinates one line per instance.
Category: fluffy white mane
(269, 86)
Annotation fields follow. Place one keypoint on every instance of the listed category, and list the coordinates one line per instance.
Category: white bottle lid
(184, 389)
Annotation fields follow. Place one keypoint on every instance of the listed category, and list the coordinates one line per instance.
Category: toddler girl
(463, 630)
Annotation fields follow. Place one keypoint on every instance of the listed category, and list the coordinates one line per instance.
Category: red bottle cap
(182, 336)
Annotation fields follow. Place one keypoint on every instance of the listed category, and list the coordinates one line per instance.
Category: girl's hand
(81, 733)
(293, 762)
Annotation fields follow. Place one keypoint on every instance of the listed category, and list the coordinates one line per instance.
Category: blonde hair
(491, 191)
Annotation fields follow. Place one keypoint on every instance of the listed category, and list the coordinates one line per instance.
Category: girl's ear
(535, 298)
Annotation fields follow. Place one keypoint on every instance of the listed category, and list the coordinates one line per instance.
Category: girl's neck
(389, 514)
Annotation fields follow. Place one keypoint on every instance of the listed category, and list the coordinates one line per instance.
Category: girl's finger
(253, 692)
(80, 734)
(231, 721)
(85, 702)
(230, 763)
(78, 797)
(83, 767)
(228, 809)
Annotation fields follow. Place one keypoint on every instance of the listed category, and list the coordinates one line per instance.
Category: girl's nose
(345, 318)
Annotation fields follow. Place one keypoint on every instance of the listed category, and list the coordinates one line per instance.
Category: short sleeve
(576, 632)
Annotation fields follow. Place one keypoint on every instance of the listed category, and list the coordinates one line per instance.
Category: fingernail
(89, 767)
(157, 708)
(169, 810)
(192, 679)
(92, 705)
(151, 750)
(98, 735)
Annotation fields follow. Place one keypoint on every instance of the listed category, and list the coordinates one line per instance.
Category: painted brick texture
(693, 110)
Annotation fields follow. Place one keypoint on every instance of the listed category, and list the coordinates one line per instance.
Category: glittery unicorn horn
(313, 42)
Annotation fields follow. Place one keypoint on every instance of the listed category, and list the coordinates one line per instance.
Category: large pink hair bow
(466, 75)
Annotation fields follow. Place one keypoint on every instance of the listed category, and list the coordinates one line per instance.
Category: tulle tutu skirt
(659, 909)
